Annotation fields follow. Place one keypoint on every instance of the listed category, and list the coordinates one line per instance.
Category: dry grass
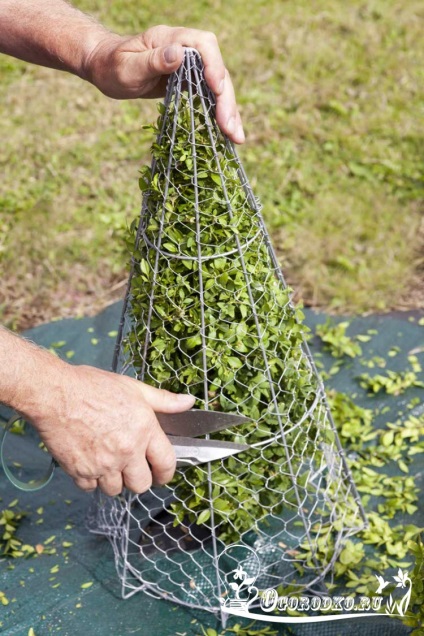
(65, 149)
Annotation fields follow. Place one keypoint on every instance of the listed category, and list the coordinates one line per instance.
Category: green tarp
(76, 591)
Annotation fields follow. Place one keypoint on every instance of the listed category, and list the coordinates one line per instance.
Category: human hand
(139, 66)
(103, 432)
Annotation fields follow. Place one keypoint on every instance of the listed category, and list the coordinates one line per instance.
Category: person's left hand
(130, 67)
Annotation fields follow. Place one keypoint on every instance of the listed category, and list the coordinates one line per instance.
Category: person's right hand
(139, 66)
(104, 432)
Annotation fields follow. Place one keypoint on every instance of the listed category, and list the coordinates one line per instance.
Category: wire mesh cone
(207, 312)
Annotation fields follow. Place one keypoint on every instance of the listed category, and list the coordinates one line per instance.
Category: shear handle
(31, 486)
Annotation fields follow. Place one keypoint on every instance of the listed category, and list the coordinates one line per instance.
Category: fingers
(147, 67)
(216, 75)
(111, 484)
(161, 457)
(139, 66)
(86, 484)
(164, 401)
(157, 467)
(138, 476)
(156, 464)
(207, 45)
(218, 80)
(227, 116)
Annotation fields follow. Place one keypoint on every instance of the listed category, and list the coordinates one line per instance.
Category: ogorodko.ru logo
(240, 569)
(271, 602)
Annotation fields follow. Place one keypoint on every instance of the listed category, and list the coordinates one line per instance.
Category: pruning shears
(182, 430)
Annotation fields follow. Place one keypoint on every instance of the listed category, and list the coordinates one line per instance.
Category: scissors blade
(197, 422)
(191, 452)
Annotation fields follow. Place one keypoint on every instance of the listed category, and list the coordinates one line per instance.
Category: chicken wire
(207, 312)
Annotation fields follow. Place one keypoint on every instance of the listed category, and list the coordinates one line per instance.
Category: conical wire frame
(207, 312)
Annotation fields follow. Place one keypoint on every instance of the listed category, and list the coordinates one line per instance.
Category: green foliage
(10, 544)
(394, 382)
(415, 615)
(355, 422)
(337, 342)
(9, 522)
(234, 339)
(383, 545)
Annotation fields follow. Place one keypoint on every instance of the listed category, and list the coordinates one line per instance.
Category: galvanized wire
(291, 497)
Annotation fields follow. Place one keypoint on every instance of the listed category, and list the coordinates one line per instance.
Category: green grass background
(332, 98)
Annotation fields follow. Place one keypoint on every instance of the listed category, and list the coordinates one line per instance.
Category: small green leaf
(170, 247)
(216, 178)
(85, 586)
(235, 363)
(203, 517)
(193, 342)
(387, 438)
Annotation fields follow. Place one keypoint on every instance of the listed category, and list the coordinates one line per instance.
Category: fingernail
(170, 54)
(221, 86)
(231, 126)
(240, 135)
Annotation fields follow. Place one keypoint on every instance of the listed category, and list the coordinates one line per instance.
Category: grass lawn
(332, 98)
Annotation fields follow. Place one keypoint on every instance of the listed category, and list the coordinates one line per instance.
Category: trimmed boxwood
(237, 344)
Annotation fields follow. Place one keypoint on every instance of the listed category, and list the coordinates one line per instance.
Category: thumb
(166, 402)
(163, 60)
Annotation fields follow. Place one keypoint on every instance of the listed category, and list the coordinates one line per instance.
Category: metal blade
(197, 422)
(190, 452)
